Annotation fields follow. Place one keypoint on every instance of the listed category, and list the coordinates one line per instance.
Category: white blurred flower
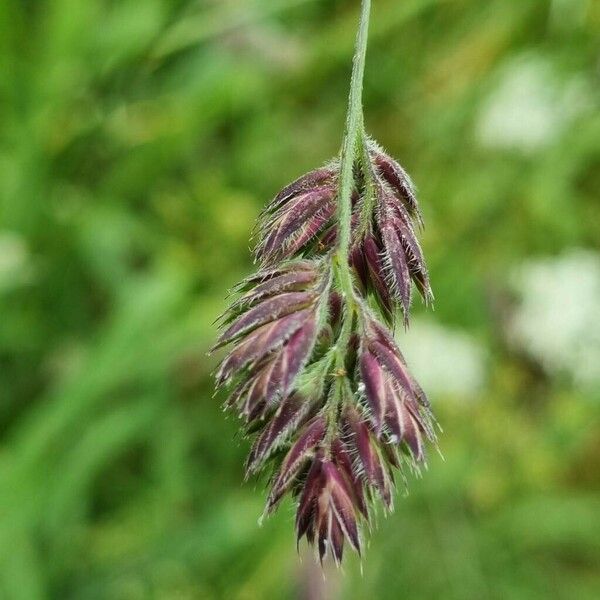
(443, 360)
(530, 107)
(558, 320)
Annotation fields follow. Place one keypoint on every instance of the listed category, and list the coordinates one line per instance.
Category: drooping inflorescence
(313, 367)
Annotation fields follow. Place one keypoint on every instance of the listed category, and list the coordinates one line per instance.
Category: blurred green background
(139, 140)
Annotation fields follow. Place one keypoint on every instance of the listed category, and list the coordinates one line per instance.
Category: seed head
(333, 430)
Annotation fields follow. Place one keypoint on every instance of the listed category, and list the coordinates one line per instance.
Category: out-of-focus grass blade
(198, 27)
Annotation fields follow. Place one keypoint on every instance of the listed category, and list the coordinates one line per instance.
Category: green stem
(353, 135)
(354, 124)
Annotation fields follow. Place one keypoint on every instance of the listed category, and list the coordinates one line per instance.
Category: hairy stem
(354, 125)
(353, 135)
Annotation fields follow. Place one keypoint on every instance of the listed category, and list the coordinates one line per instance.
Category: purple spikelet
(311, 365)
(386, 254)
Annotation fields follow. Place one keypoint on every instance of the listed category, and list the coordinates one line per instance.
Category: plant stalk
(354, 125)
(353, 134)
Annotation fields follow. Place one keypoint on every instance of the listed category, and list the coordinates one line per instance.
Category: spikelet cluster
(332, 431)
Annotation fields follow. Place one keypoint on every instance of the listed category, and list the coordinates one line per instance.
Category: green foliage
(138, 141)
